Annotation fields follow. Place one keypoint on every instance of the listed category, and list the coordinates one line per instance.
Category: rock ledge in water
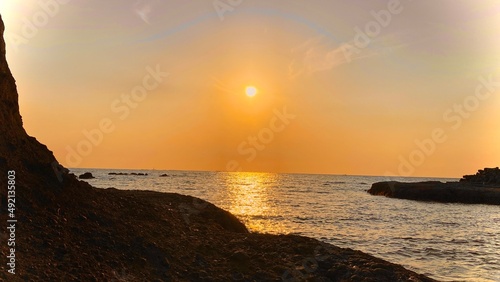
(436, 191)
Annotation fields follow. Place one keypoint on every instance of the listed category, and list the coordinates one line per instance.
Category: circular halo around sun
(251, 91)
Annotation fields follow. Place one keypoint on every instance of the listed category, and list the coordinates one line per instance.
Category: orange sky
(380, 88)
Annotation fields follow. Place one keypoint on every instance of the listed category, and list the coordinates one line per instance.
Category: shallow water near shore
(448, 242)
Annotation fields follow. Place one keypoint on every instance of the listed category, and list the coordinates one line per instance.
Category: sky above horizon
(404, 88)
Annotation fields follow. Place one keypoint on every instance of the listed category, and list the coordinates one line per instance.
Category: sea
(448, 242)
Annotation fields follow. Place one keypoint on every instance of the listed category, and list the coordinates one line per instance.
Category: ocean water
(448, 242)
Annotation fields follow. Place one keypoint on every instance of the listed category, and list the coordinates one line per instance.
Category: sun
(251, 91)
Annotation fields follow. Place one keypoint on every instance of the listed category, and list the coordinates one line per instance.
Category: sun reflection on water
(249, 198)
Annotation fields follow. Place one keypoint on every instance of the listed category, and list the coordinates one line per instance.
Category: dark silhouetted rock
(126, 173)
(450, 192)
(485, 177)
(86, 175)
(164, 175)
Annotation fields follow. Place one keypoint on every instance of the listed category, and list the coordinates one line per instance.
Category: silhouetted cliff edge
(67, 230)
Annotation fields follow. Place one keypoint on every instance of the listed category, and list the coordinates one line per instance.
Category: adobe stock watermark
(316, 54)
(143, 10)
(196, 207)
(255, 143)
(363, 37)
(47, 9)
(122, 107)
(454, 116)
(309, 265)
(225, 6)
(59, 171)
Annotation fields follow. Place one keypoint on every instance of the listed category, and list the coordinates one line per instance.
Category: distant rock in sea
(481, 188)
(126, 173)
(164, 175)
(86, 175)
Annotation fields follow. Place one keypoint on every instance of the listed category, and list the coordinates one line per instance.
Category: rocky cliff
(67, 230)
(38, 173)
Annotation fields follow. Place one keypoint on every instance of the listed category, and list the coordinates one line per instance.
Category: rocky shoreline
(89, 234)
(481, 188)
(67, 230)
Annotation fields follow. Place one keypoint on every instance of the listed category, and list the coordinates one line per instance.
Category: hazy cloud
(315, 55)
(319, 54)
(143, 10)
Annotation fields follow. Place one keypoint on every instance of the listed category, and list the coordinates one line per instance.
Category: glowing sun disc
(251, 91)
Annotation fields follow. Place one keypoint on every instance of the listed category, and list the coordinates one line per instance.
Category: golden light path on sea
(249, 198)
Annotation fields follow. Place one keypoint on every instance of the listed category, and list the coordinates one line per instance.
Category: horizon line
(269, 172)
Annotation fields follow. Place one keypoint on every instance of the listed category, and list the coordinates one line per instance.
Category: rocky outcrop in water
(467, 191)
(67, 230)
(126, 173)
(486, 177)
(86, 175)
